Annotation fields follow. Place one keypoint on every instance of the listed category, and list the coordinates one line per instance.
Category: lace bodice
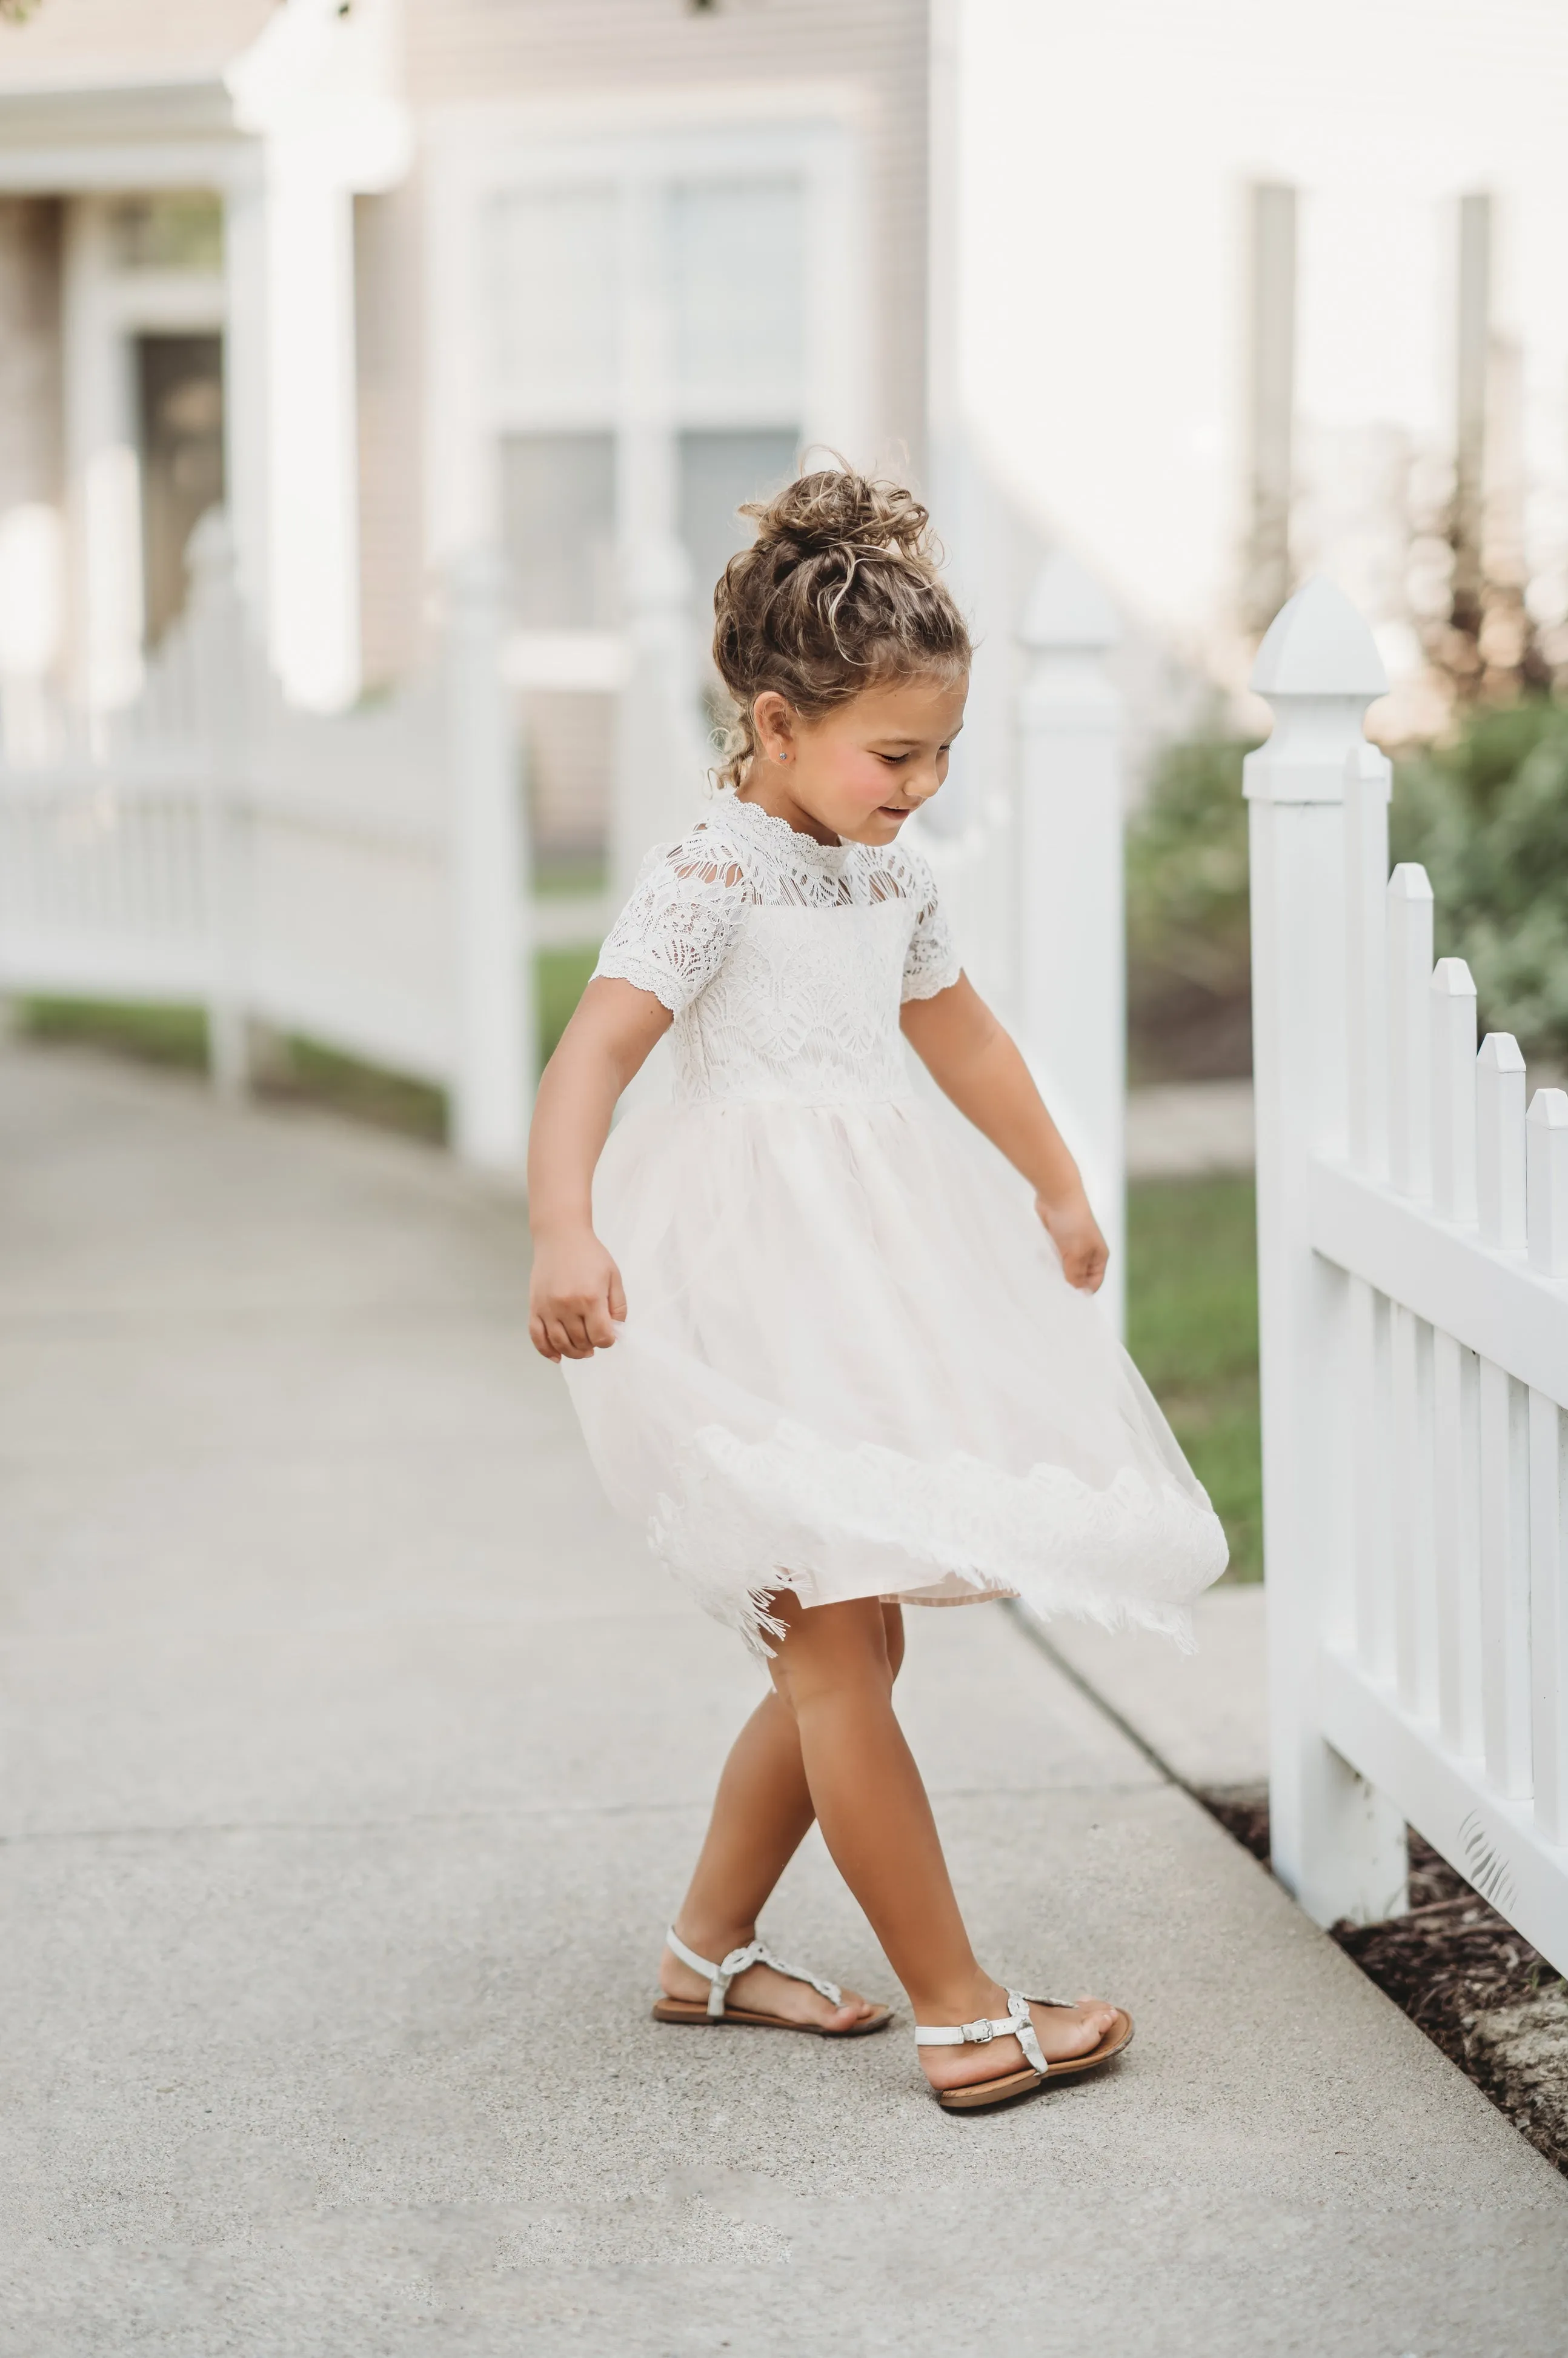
(783, 960)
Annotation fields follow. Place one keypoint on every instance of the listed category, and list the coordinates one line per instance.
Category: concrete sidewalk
(356, 1756)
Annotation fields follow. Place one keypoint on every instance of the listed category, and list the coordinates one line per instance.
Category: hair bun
(838, 592)
(837, 509)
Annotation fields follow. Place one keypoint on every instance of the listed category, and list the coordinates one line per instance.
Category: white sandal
(719, 1978)
(1016, 2024)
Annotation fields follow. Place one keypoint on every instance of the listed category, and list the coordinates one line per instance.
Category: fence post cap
(1319, 645)
(1410, 882)
(1549, 1110)
(1451, 978)
(1067, 608)
(1500, 1052)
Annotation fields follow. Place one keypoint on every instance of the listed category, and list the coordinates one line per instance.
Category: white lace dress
(851, 1365)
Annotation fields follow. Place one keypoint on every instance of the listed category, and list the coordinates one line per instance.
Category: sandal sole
(985, 2094)
(691, 2012)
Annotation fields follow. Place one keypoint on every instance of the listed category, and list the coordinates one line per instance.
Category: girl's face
(858, 771)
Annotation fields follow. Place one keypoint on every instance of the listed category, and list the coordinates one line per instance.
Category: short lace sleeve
(677, 929)
(931, 962)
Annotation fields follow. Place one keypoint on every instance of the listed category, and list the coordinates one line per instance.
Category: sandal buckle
(978, 2032)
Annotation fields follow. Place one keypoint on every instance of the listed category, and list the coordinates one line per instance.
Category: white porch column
(320, 91)
(313, 437)
(103, 476)
(1072, 959)
(246, 393)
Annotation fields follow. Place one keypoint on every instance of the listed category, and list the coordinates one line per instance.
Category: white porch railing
(359, 879)
(1413, 1272)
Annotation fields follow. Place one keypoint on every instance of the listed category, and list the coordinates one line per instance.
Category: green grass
(292, 1068)
(297, 1068)
(562, 979)
(307, 1073)
(154, 1035)
(1193, 1328)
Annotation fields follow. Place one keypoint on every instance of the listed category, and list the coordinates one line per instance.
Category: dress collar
(822, 859)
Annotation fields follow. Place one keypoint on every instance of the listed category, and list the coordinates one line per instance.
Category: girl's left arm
(977, 1064)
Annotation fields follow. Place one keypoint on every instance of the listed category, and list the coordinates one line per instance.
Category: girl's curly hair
(838, 592)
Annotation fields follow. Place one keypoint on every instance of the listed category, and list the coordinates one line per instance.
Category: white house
(399, 276)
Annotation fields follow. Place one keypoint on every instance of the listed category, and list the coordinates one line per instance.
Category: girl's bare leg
(832, 1670)
(761, 1813)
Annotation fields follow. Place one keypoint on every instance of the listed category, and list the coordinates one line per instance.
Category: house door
(179, 393)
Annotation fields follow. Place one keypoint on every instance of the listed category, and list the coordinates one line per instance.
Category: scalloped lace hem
(744, 1520)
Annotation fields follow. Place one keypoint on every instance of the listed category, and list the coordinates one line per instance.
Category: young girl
(831, 1356)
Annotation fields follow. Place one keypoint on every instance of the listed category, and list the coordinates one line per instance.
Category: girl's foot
(1063, 2031)
(760, 1990)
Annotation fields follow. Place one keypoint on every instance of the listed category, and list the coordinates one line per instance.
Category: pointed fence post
(1337, 1844)
(1453, 1080)
(215, 654)
(1409, 1030)
(1547, 1180)
(1071, 931)
(661, 760)
(1499, 1141)
(496, 1033)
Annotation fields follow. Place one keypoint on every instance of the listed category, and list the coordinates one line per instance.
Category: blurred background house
(1193, 302)
(396, 280)
(397, 277)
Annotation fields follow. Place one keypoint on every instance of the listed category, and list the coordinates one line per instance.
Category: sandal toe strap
(757, 1952)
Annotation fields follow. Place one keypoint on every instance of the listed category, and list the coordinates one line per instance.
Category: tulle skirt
(851, 1367)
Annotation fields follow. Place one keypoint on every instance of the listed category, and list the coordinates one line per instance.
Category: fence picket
(1371, 1471)
(1549, 1613)
(1546, 1182)
(1409, 1021)
(1453, 1022)
(1505, 1582)
(1415, 1584)
(1501, 1141)
(1456, 1542)
(1368, 776)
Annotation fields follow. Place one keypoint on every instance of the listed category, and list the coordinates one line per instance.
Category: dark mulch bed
(1460, 1971)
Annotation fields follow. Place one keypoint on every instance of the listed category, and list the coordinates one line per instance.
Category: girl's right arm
(576, 1289)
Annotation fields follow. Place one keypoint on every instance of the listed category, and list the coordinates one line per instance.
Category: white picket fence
(1413, 1269)
(363, 879)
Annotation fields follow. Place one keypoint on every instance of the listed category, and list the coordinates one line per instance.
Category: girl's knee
(832, 1650)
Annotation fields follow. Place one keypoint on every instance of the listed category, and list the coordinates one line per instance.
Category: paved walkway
(1185, 1130)
(355, 1759)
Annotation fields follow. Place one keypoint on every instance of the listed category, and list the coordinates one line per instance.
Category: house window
(644, 326)
(717, 471)
(557, 296)
(736, 296)
(648, 340)
(558, 526)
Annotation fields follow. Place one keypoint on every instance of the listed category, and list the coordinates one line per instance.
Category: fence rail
(1413, 1284)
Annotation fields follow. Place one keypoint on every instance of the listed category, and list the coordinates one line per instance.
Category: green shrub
(1488, 818)
(1188, 956)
